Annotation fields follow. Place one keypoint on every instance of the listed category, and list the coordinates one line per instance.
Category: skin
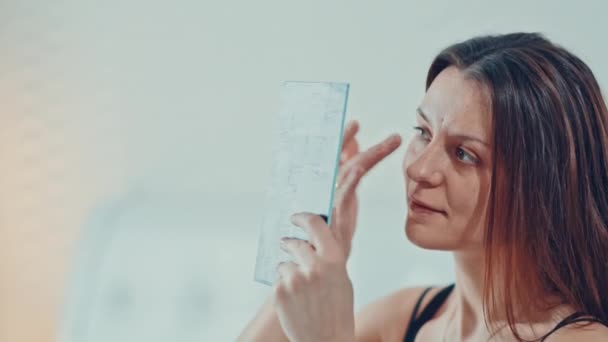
(447, 171)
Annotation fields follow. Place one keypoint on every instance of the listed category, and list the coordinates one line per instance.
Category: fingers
(349, 151)
(348, 185)
(316, 228)
(301, 250)
(350, 146)
(334, 224)
(349, 132)
(344, 194)
(287, 269)
(365, 161)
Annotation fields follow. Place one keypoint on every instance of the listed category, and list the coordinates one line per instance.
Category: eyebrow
(458, 136)
(421, 113)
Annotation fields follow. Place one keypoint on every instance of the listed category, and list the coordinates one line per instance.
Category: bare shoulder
(386, 319)
(595, 332)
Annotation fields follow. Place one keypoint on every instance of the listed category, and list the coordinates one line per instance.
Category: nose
(426, 166)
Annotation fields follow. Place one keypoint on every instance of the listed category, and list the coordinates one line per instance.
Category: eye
(465, 156)
(422, 133)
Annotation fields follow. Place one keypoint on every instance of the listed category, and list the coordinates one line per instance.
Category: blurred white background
(162, 111)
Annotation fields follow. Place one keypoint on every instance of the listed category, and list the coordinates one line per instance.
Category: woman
(509, 171)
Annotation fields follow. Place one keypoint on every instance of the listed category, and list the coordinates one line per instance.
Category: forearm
(264, 326)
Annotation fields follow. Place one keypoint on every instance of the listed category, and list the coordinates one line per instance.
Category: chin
(427, 236)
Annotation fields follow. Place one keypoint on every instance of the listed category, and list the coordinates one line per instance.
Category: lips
(421, 207)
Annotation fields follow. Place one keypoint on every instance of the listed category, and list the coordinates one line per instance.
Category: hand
(355, 164)
(314, 296)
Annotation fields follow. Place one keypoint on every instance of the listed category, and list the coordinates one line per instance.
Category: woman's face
(448, 165)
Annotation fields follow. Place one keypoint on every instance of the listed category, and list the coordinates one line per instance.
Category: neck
(468, 294)
(466, 305)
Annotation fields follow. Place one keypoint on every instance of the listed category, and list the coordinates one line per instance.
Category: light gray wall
(166, 107)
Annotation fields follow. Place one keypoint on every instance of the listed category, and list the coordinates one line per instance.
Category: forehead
(454, 101)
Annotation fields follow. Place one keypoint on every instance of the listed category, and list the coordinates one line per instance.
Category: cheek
(468, 200)
(411, 153)
(463, 194)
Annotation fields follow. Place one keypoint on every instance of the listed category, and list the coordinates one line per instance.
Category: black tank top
(417, 321)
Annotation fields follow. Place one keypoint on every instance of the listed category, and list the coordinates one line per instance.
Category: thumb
(334, 226)
(332, 222)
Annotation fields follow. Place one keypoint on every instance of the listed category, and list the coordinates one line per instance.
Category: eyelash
(472, 158)
(459, 150)
(421, 130)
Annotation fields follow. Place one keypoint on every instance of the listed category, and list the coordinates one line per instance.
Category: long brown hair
(547, 224)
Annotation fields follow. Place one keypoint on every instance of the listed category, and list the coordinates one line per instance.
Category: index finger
(372, 156)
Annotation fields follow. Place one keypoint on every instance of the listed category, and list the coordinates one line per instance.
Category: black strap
(429, 311)
(573, 318)
(412, 328)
